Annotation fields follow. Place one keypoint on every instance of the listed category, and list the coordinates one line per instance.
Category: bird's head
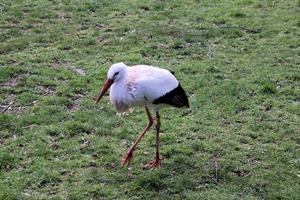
(115, 73)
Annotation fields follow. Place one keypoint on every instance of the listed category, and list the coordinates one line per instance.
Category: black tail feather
(176, 98)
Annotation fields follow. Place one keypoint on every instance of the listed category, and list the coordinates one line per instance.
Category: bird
(143, 86)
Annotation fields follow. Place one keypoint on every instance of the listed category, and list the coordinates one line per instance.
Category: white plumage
(147, 86)
(139, 85)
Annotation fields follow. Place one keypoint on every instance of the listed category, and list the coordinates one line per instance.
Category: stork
(143, 86)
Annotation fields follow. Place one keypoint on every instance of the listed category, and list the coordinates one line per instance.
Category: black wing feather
(176, 98)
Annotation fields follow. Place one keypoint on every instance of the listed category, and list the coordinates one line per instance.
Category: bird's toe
(152, 164)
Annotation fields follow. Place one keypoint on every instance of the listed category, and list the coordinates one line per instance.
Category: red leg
(156, 162)
(127, 158)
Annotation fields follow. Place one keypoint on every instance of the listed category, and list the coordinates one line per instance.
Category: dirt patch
(78, 96)
(73, 107)
(45, 90)
(2, 141)
(8, 106)
(240, 173)
(75, 103)
(13, 82)
(78, 71)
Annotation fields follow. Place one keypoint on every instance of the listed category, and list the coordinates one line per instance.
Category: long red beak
(106, 86)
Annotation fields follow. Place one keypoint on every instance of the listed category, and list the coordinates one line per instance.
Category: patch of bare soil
(78, 71)
(8, 106)
(45, 90)
(13, 82)
(76, 102)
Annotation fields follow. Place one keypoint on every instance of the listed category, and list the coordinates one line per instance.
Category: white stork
(147, 86)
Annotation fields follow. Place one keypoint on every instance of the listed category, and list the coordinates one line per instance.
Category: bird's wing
(152, 82)
(177, 97)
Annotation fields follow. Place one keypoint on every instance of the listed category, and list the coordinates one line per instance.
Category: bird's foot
(152, 164)
(127, 158)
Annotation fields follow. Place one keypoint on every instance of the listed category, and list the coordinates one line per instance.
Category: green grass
(238, 61)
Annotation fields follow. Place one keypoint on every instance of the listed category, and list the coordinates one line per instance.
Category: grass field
(238, 60)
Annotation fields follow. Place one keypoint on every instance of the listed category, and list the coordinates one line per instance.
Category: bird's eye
(116, 74)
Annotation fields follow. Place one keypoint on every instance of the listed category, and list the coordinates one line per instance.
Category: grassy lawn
(238, 60)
